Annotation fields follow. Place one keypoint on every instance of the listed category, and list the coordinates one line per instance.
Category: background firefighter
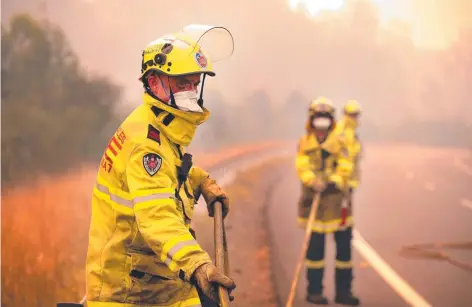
(346, 128)
(324, 166)
(141, 248)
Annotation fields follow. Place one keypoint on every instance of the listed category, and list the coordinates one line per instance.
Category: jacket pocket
(149, 281)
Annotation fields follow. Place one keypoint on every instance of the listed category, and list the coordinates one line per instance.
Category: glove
(212, 193)
(208, 278)
(319, 185)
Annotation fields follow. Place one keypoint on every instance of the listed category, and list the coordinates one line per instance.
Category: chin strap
(200, 100)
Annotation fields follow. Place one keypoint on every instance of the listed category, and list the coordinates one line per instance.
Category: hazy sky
(434, 22)
(276, 48)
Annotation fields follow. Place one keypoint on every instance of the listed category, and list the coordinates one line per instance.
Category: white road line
(466, 203)
(387, 273)
(462, 166)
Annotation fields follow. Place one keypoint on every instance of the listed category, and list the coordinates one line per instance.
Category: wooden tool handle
(301, 260)
(221, 251)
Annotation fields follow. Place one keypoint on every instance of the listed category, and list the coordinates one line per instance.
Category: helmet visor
(216, 41)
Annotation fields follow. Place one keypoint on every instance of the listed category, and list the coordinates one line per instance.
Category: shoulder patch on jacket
(152, 163)
(154, 134)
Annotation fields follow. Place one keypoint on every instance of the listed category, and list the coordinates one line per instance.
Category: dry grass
(44, 237)
(45, 234)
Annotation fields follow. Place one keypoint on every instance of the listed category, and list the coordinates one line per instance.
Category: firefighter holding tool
(141, 249)
(324, 166)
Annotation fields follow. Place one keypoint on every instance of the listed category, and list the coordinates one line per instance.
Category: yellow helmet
(352, 107)
(322, 105)
(183, 53)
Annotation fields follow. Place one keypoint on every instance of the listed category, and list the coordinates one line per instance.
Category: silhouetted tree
(54, 116)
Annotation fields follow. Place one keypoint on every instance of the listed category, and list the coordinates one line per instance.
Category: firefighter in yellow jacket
(347, 129)
(141, 249)
(324, 166)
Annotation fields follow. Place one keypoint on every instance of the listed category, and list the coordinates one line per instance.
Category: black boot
(347, 299)
(343, 281)
(317, 298)
(315, 287)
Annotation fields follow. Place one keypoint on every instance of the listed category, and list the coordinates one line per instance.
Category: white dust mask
(187, 101)
(321, 123)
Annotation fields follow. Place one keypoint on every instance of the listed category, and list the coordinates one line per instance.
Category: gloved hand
(212, 192)
(208, 277)
(319, 185)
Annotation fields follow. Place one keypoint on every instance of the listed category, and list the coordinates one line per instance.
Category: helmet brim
(208, 73)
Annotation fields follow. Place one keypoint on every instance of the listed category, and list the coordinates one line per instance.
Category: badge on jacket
(152, 163)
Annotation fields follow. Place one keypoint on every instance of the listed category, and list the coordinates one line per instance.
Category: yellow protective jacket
(141, 251)
(346, 129)
(328, 161)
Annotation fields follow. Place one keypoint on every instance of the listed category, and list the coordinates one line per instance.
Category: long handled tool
(80, 304)
(221, 251)
(436, 251)
(306, 240)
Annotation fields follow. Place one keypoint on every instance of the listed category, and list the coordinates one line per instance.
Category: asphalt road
(409, 195)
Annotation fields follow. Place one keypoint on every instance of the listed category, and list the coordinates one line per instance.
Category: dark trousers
(315, 262)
